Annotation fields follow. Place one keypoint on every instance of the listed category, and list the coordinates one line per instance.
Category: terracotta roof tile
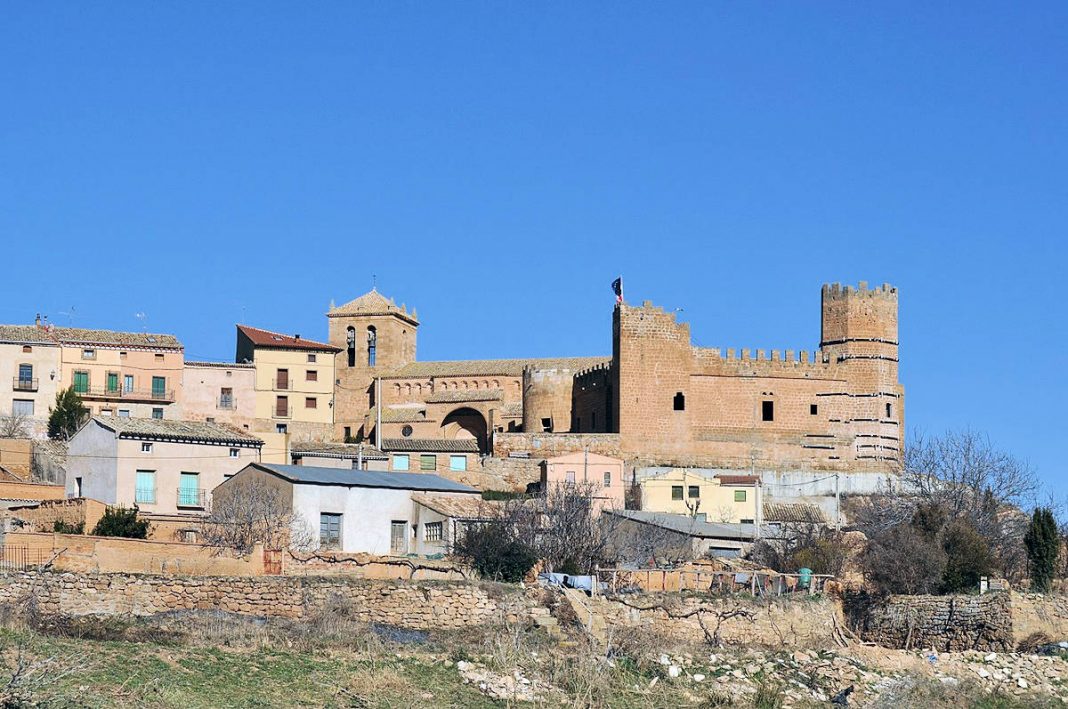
(83, 336)
(457, 395)
(798, 512)
(460, 507)
(266, 338)
(373, 303)
(336, 450)
(168, 429)
(488, 367)
(430, 445)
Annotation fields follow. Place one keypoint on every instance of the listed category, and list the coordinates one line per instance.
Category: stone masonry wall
(1034, 613)
(430, 605)
(945, 623)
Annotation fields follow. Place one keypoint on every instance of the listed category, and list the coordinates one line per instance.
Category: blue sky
(497, 164)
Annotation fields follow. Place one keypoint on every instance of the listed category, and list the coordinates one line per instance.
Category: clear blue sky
(497, 164)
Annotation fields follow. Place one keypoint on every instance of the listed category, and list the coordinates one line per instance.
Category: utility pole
(359, 456)
(837, 504)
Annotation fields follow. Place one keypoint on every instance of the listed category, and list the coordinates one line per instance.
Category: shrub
(492, 552)
(121, 522)
(68, 415)
(967, 557)
(63, 527)
(904, 560)
(1043, 546)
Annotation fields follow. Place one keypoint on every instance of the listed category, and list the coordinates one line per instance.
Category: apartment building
(294, 385)
(29, 375)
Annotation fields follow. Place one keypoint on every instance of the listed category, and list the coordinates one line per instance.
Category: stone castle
(656, 401)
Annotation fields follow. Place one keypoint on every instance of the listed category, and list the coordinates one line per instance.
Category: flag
(617, 288)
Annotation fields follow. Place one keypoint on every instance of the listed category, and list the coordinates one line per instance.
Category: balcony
(282, 414)
(192, 497)
(145, 495)
(20, 384)
(226, 403)
(116, 394)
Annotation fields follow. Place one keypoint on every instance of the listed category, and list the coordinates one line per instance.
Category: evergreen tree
(1043, 545)
(121, 522)
(68, 414)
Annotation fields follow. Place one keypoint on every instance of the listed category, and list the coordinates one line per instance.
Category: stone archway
(467, 423)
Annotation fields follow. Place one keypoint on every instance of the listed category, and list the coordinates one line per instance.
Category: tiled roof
(737, 479)
(513, 410)
(56, 450)
(49, 334)
(221, 365)
(373, 303)
(170, 430)
(29, 334)
(336, 450)
(488, 367)
(430, 445)
(82, 336)
(363, 478)
(797, 512)
(450, 397)
(401, 415)
(456, 507)
(266, 338)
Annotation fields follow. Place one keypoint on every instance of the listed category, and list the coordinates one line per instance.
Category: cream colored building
(219, 392)
(162, 466)
(602, 475)
(716, 499)
(294, 382)
(29, 375)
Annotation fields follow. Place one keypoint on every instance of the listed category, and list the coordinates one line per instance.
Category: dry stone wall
(429, 605)
(945, 623)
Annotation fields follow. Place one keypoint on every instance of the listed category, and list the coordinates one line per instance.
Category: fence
(14, 558)
(756, 583)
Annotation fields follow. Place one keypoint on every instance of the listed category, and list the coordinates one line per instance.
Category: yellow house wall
(716, 500)
(141, 364)
(269, 361)
(45, 362)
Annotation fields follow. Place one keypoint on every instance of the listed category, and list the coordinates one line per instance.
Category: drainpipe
(378, 412)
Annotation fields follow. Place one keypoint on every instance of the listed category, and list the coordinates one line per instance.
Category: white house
(351, 510)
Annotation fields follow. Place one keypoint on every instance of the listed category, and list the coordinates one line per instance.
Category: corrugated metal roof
(364, 478)
(800, 512)
(684, 524)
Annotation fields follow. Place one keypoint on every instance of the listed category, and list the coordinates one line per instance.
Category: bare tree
(14, 425)
(253, 512)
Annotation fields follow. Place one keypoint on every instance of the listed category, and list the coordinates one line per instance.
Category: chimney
(297, 336)
(37, 320)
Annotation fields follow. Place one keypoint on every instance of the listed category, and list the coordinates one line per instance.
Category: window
(22, 407)
(398, 536)
(432, 532)
(88, 354)
(235, 452)
(739, 495)
(122, 355)
(157, 413)
(25, 374)
(428, 461)
(329, 529)
(679, 402)
(813, 409)
(311, 375)
(745, 521)
(311, 358)
(458, 462)
(607, 478)
(189, 492)
(406, 431)
(310, 402)
(372, 345)
(347, 433)
(400, 462)
(113, 382)
(210, 419)
(127, 383)
(81, 382)
(226, 397)
(124, 413)
(889, 410)
(350, 343)
(26, 349)
(676, 492)
(105, 412)
(767, 411)
(159, 387)
(281, 380)
(569, 477)
(146, 447)
(547, 425)
(145, 487)
(281, 406)
(693, 491)
(159, 357)
(281, 428)
(77, 487)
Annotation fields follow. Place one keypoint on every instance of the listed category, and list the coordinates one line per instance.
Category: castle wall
(547, 398)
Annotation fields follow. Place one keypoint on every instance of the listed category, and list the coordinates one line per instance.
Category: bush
(967, 557)
(904, 560)
(824, 551)
(68, 415)
(1043, 546)
(62, 527)
(494, 554)
(121, 522)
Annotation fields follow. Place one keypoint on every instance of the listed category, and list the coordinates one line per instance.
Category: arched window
(350, 343)
(679, 402)
(372, 345)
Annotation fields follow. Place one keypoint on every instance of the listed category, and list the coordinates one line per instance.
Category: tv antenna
(142, 317)
(69, 314)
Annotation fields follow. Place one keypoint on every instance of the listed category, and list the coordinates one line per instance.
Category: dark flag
(617, 288)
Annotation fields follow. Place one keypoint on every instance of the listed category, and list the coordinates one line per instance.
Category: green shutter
(81, 382)
(113, 381)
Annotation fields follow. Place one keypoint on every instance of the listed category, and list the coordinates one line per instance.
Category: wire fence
(14, 558)
(755, 583)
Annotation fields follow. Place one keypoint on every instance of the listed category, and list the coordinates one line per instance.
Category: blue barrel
(805, 577)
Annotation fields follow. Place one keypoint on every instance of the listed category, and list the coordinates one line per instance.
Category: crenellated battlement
(837, 290)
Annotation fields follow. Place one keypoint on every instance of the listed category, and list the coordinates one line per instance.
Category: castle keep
(657, 400)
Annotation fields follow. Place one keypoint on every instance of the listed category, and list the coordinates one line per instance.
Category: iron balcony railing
(190, 497)
(145, 495)
(20, 384)
(282, 384)
(106, 392)
(283, 414)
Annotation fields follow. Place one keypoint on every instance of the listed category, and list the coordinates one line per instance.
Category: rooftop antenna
(70, 315)
(142, 317)
(374, 282)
